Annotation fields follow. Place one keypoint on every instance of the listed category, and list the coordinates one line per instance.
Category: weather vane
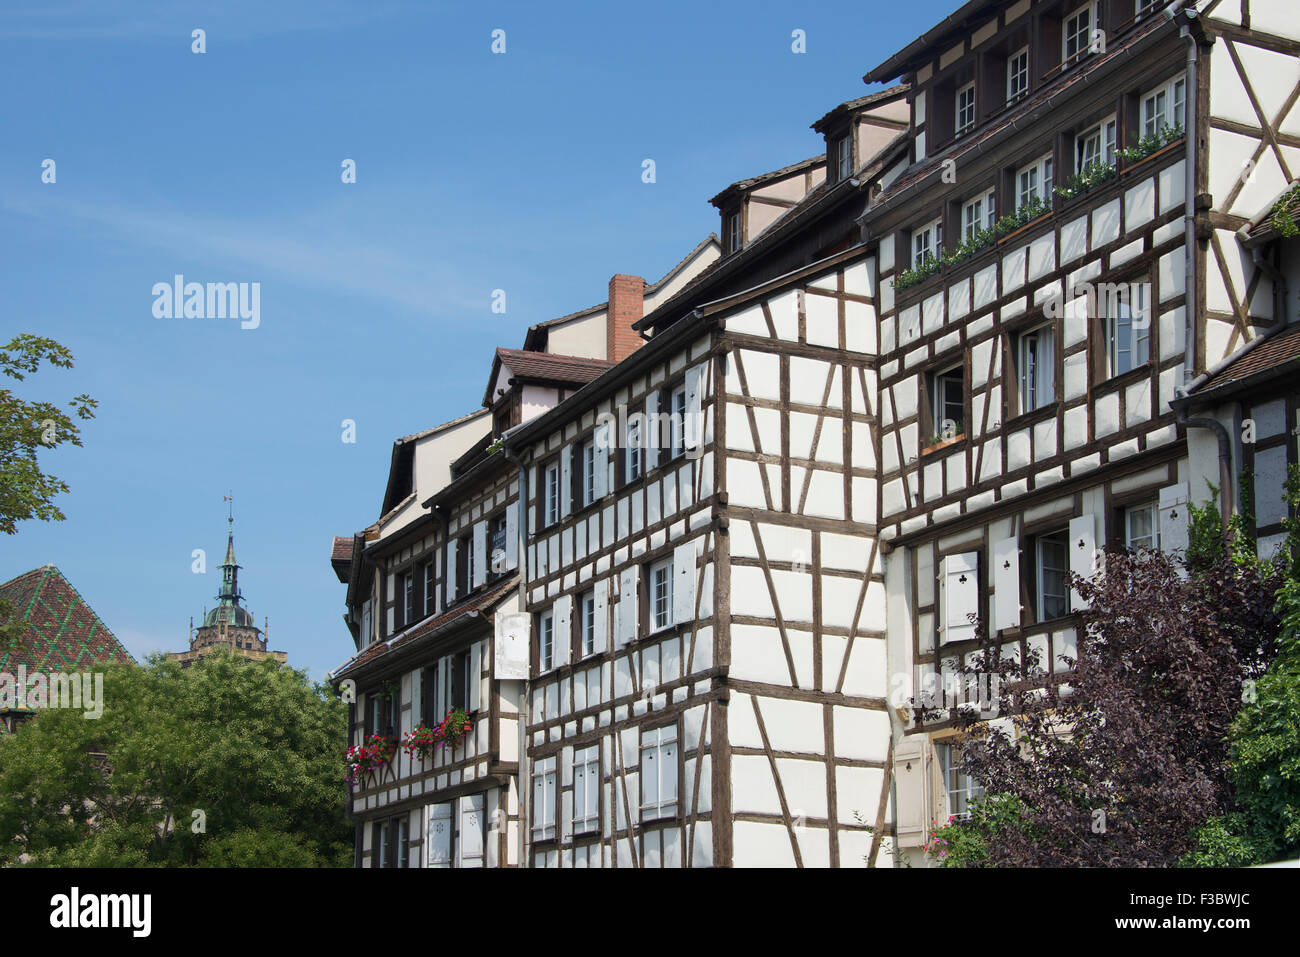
(230, 509)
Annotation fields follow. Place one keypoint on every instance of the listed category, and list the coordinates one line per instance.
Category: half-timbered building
(427, 584)
(1032, 300)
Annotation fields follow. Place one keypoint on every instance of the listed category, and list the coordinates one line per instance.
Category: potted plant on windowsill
(454, 728)
(1151, 146)
(421, 743)
(362, 760)
(938, 442)
(1028, 215)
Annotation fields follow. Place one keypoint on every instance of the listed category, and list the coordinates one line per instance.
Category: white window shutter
(684, 573)
(600, 450)
(911, 777)
(563, 637)
(960, 596)
(479, 571)
(471, 830)
(628, 607)
(475, 674)
(512, 536)
(1006, 581)
(652, 437)
(566, 481)
(668, 769)
(693, 427)
(451, 570)
(437, 840)
(512, 645)
(1083, 552)
(1173, 518)
(417, 701)
(600, 612)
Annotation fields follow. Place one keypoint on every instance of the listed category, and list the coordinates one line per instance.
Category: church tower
(229, 625)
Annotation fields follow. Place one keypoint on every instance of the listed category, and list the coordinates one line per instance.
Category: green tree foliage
(253, 746)
(1151, 741)
(26, 491)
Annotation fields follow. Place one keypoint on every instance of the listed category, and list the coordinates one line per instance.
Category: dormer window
(843, 158)
(1096, 145)
(927, 242)
(1076, 32)
(733, 232)
(965, 108)
(1018, 74)
(1034, 182)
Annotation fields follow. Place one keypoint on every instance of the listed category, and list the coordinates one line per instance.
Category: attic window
(733, 232)
(843, 158)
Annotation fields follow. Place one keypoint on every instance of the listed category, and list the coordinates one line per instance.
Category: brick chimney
(626, 306)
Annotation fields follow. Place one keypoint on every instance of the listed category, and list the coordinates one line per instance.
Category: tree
(1121, 767)
(226, 763)
(1264, 762)
(26, 491)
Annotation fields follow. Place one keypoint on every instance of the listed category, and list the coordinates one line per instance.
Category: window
(587, 622)
(587, 467)
(551, 494)
(545, 640)
(1036, 368)
(661, 594)
(632, 449)
(960, 789)
(1097, 145)
(1018, 74)
(677, 408)
(430, 587)
(1164, 107)
(1126, 308)
(406, 595)
(464, 546)
(496, 543)
(1145, 6)
(659, 773)
(733, 232)
(1076, 32)
(965, 108)
(1051, 566)
(544, 799)
(843, 158)
(461, 678)
(367, 623)
(927, 242)
(977, 215)
(391, 846)
(586, 790)
(946, 403)
(1034, 182)
(1140, 527)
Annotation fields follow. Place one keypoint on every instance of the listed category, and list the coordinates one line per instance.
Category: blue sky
(475, 172)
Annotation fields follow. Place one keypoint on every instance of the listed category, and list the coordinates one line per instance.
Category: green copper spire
(228, 608)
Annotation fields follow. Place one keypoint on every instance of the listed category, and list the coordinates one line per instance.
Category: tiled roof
(1286, 206)
(1277, 350)
(556, 368)
(60, 632)
(741, 185)
(861, 102)
(478, 603)
(342, 550)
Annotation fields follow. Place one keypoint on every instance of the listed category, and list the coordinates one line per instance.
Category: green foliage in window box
(1091, 175)
(1151, 143)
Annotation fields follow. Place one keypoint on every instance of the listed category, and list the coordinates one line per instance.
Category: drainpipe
(521, 539)
(1189, 192)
